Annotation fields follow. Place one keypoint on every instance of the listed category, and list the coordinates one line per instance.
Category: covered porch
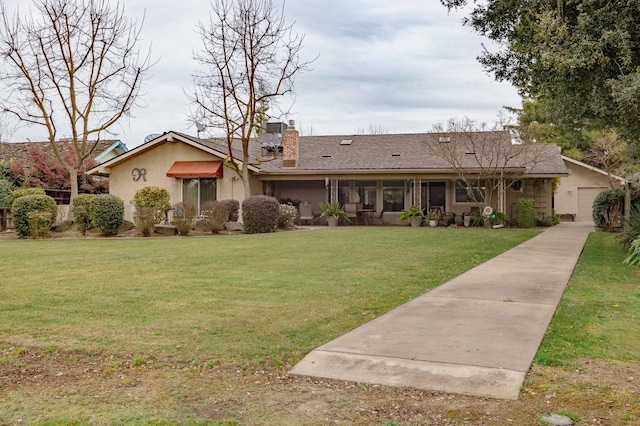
(381, 199)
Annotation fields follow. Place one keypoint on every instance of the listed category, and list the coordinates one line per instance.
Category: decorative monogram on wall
(138, 174)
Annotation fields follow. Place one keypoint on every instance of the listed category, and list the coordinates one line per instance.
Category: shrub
(24, 205)
(183, 216)
(630, 229)
(216, 213)
(287, 216)
(81, 212)
(145, 218)
(260, 214)
(525, 213)
(107, 213)
(39, 223)
(21, 192)
(6, 188)
(634, 253)
(153, 197)
(607, 209)
(234, 209)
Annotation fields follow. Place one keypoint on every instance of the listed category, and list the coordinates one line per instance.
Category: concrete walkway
(476, 334)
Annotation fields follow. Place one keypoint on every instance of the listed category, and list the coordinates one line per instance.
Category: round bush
(107, 213)
(81, 211)
(24, 205)
(287, 216)
(21, 192)
(153, 197)
(607, 209)
(216, 213)
(233, 206)
(260, 214)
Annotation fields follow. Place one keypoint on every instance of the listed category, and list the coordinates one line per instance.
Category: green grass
(599, 315)
(242, 298)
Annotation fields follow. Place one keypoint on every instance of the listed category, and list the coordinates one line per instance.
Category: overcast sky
(399, 66)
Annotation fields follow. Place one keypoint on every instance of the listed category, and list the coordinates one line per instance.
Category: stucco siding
(580, 178)
(150, 168)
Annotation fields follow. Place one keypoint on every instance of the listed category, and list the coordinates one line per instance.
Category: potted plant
(413, 214)
(433, 217)
(333, 211)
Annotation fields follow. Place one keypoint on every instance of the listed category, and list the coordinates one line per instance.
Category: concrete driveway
(476, 334)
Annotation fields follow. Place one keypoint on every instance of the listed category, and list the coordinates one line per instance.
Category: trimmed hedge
(23, 206)
(260, 214)
(107, 213)
(184, 215)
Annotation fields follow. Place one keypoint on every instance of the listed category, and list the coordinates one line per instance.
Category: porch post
(417, 200)
(334, 190)
(501, 196)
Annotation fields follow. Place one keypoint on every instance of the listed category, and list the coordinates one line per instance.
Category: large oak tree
(580, 59)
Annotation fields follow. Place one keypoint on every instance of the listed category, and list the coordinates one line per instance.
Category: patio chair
(377, 218)
(306, 214)
(352, 211)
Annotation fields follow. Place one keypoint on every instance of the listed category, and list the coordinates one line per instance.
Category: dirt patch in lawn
(49, 384)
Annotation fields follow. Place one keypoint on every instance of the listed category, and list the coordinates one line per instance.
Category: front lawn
(226, 298)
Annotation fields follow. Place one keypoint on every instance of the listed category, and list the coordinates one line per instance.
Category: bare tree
(487, 160)
(73, 67)
(251, 58)
(608, 152)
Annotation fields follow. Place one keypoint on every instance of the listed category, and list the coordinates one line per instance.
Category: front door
(434, 194)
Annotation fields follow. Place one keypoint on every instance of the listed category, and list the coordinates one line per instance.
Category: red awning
(196, 169)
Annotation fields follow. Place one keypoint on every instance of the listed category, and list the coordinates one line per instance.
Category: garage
(585, 203)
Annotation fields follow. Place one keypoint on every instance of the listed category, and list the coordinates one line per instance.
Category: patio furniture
(351, 210)
(306, 214)
(377, 217)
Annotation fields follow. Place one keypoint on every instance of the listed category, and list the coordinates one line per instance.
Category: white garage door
(585, 203)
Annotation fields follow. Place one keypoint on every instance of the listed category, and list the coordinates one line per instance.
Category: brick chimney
(290, 146)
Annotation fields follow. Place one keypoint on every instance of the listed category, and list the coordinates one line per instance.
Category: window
(343, 192)
(198, 191)
(366, 193)
(393, 195)
(474, 193)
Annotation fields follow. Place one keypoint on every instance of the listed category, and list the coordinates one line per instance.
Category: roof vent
(396, 155)
(327, 156)
(444, 139)
(346, 141)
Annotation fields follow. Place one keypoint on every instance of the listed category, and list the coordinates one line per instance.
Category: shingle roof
(420, 151)
(21, 151)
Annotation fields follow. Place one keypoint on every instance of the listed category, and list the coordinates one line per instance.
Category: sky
(393, 67)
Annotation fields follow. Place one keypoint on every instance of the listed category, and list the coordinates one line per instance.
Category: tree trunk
(73, 180)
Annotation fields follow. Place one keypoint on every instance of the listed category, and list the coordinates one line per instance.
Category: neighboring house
(381, 172)
(575, 194)
(23, 155)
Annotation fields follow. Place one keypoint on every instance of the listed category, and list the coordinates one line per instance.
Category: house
(575, 194)
(379, 172)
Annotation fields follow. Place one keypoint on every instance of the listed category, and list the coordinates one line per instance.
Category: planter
(332, 221)
(433, 223)
(467, 221)
(415, 221)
